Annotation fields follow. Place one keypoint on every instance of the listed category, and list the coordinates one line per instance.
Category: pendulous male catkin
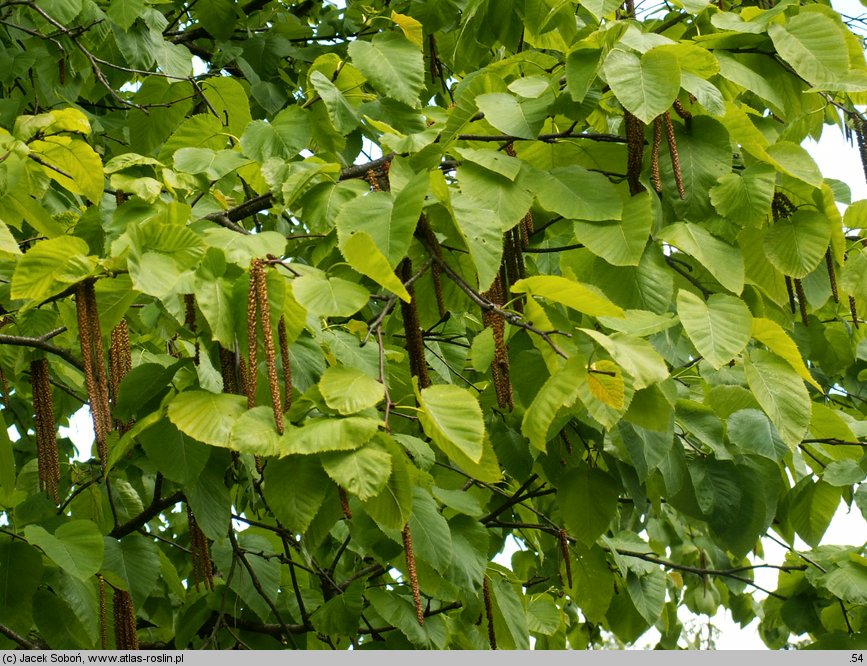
(832, 275)
(46, 432)
(500, 365)
(655, 176)
(634, 152)
(412, 330)
(285, 363)
(802, 301)
(413, 574)
(190, 322)
(93, 357)
(489, 612)
(264, 308)
(567, 559)
(125, 633)
(675, 157)
(203, 571)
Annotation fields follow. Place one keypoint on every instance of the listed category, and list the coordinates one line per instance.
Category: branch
(513, 318)
(42, 343)
(13, 636)
(547, 138)
(155, 508)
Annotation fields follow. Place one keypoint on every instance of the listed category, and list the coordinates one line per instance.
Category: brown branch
(42, 343)
(155, 508)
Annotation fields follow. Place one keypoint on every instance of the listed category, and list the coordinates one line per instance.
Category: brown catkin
(489, 612)
(4, 386)
(655, 176)
(190, 322)
(681, 110)
(802, 301)
(228, 371)
(344, 503)
(270, 350)
(567, 559)
(125, 634)
(119, 360)
(119, 197)
(412, 329)
(103, 619)
(203, 571)
(500, 365)
(672, 150)
(46, 431)
(413, 574)
(854, 311)
(832, 275)
(791, 293)
(252, 339)
(371, 178)
(92, 353)
(634, 152)
(526, 229)
(862, 140)
(434, 245)
(285, 363)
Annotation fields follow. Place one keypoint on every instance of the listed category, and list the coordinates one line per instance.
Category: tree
(374, 290)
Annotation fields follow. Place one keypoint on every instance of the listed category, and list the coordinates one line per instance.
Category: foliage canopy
(379, 289)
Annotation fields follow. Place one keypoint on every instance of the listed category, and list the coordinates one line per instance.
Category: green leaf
(576, 193)
(635, 355)
(794, 160)
(340, 111)
(482, 350)
(329, 297)
(559, 391)
(588, 501)
(364, 256)
(811, 508)
(348, 390)
(392, 64)
(295, 487)
(513, 118)
(76, 166)
(647, 593)
(51, 267)
(795, 245)
(75, 546)
(255, 432)
(510, 619)
(582, 64)
(329, 434)
(723, 261)
(431, 538)
(22, 567)
(452, 418)
(781, 393)
(482, 232)
(363, 472)
(125, 12)
(176, 456)
(772, 335)
(133, 564)
(814, 45)
(848, 582)
(752, 432)
(580, 297)
(392, 507)
(57, 624)
(745, 196)
(399, 612)
(719, 329)
(228, 100)
(619, 243)
(646, 86)
(207, 417)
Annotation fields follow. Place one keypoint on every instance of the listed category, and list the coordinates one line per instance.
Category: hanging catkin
(125, 634)
(854, 311)
(567, 559)
(634, 152)
(285, 363)
(344, 503)
(860, 135)
(103, 619)
(228, 371)
(682, 111)
(500, 365)
(791, 291)
(46, 431)
(802, 301)
(489, 612)
(93, 354)
(655, 176)
(832, 275)
(203, 571)
(672, 151)
(412, 330)
(190, 322)
(119, 356)
(434, 245)
(259, 280)
(250, 376)
(413, 574)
